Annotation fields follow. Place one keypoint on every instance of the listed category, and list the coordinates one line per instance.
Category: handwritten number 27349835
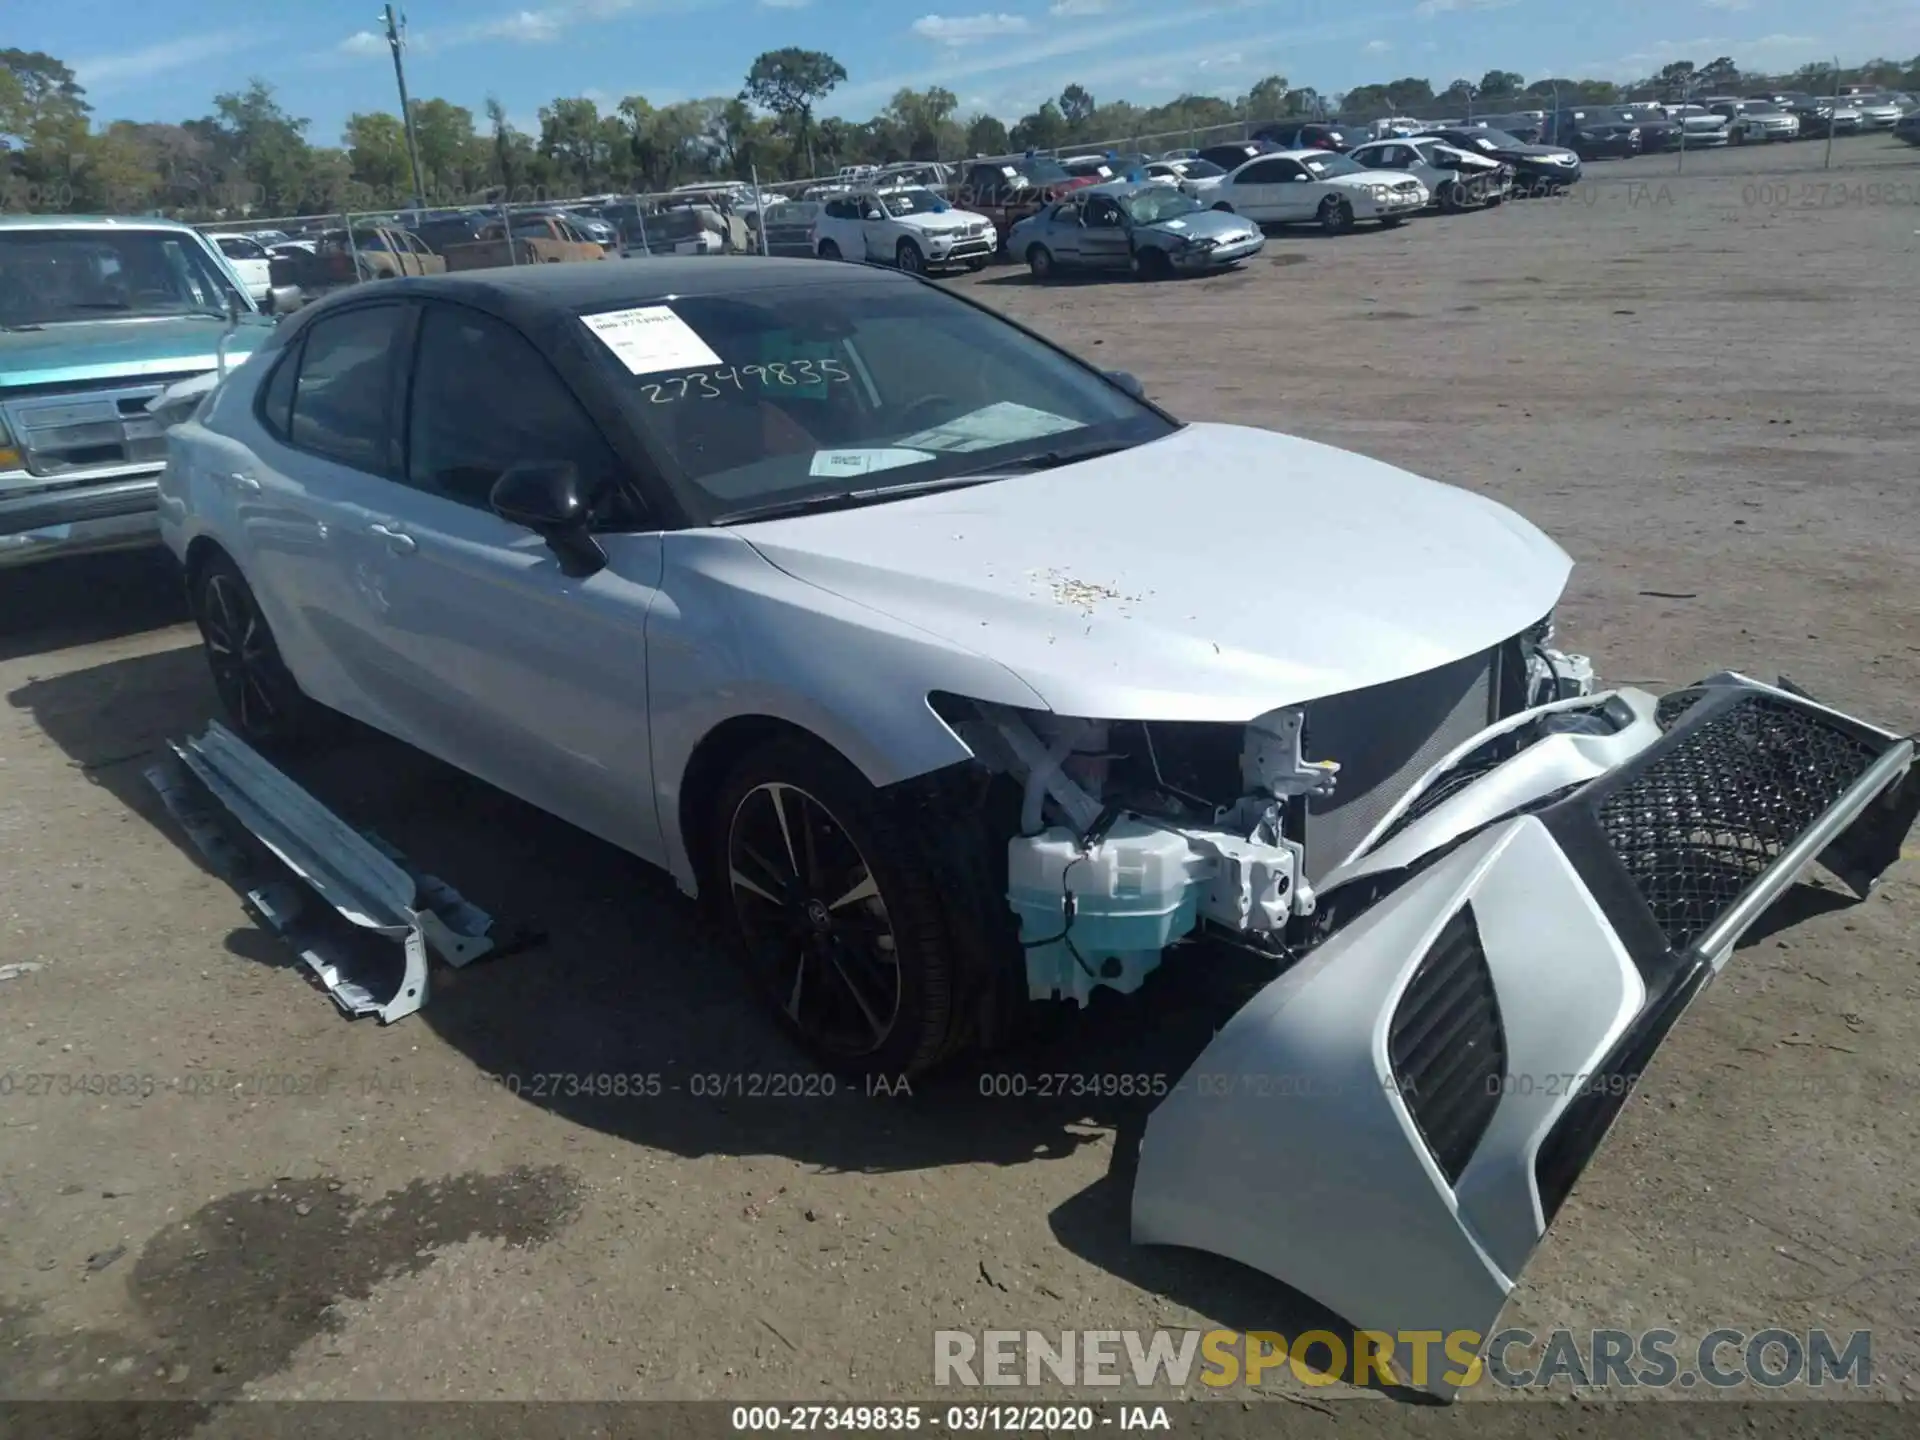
(774, 375)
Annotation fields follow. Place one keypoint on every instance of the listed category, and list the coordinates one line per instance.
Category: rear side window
(341, 400)
(484, 399)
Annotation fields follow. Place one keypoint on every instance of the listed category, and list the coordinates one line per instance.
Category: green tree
(1076, 107)
(377, 151)
(1499, 83)
(790, 83)
(571, 137)
(260, 150)
(1718, 75)
(921, 123)
(986, 135)
(1267, 100)
(450, 152)
(1044, 129)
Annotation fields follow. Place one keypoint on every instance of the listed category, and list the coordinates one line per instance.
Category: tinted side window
(483, 399)
(276, 396)
(1266, 173)
(340, 403)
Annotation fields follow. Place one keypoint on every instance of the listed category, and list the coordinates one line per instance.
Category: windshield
(49, 277)
(1151, 206)
(772, 396)
(1491, 139)
(912, 202)
(1198, 169)
(1325, 167)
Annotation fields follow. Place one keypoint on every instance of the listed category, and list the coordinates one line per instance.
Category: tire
(847, 904)
(1450, 198)
(1738, 137)
(1335, 215)
(976, 265)
(1040, 262)
(1223, 208)
(1391, 222)
(909, 258)
(263, 701)
(829, 250)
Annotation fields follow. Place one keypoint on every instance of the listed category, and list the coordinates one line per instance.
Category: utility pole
(396, 41)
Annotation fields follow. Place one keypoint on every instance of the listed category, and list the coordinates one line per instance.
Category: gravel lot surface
(1700, 383)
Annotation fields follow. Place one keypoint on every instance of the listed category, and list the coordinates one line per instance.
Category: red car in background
(1008, 190)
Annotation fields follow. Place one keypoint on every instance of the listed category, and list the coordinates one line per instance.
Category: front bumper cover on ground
(1390, 1125)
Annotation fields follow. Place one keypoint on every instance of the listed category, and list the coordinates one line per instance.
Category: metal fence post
(640, 219)
(506, 225)
(353, 249)
(760, 211)
(1833, 105)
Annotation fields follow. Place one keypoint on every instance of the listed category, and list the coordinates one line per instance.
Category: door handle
(243, 481)
(398, 541)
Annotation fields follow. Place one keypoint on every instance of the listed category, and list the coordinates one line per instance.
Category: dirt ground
(1701, 384)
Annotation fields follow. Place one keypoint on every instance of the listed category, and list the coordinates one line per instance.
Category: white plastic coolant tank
(1134, 895)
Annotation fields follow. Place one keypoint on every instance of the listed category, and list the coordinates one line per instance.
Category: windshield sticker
(788, 378)
(865, 462)
(999, 424)
(650, 339)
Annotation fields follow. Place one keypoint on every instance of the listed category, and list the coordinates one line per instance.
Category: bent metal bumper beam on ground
(361, 879)
(1390, 1125)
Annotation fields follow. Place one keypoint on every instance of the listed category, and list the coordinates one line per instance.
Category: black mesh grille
(1706, 819)
(1671, 707)
(1446, 1045)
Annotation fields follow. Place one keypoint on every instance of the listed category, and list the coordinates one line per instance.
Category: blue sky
(163, 59)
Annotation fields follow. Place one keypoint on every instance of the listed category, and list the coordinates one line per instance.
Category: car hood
(1201, 225)
(1210, 575)
(1466, 159)
(1532, 152)
(108, 350)
(939, 222)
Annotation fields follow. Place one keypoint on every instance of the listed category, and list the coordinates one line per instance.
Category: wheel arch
(712, 759)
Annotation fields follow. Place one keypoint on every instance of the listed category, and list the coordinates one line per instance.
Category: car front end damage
(1489, 892)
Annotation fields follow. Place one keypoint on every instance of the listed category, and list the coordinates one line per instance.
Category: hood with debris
(1210, 575)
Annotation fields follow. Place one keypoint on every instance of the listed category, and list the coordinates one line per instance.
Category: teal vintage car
(97, 317)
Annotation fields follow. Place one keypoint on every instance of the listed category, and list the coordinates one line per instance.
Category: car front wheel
(908, 257)
(1335, 215)
(834, 910)
(829, 250)
(1040, 261)
(258, 692)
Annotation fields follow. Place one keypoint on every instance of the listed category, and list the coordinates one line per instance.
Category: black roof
(588, 285)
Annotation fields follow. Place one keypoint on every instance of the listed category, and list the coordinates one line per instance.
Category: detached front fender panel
(1391, 1124)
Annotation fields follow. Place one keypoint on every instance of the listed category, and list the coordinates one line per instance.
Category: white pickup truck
(911, 227)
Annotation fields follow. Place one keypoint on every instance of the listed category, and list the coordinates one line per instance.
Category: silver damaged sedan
(1152, 230)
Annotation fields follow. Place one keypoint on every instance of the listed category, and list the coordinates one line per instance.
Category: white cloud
(1427, 9)
(1770, 51)
(1230, 61)
(1071, 9)
(1376, 47)
(363, 42)
(966, 29)
(105, 73)
(532, 26)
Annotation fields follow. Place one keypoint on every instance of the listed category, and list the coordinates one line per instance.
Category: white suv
(911, 227)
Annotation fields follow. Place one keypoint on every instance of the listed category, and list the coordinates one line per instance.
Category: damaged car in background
(920, 651)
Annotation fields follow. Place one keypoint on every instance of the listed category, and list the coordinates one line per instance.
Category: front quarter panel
(734, 636)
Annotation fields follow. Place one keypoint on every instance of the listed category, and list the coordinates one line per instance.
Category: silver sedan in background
(1152, 230)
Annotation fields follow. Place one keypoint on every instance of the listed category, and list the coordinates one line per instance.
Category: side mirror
(548, 498)
(284, 299)
(1128, 382)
